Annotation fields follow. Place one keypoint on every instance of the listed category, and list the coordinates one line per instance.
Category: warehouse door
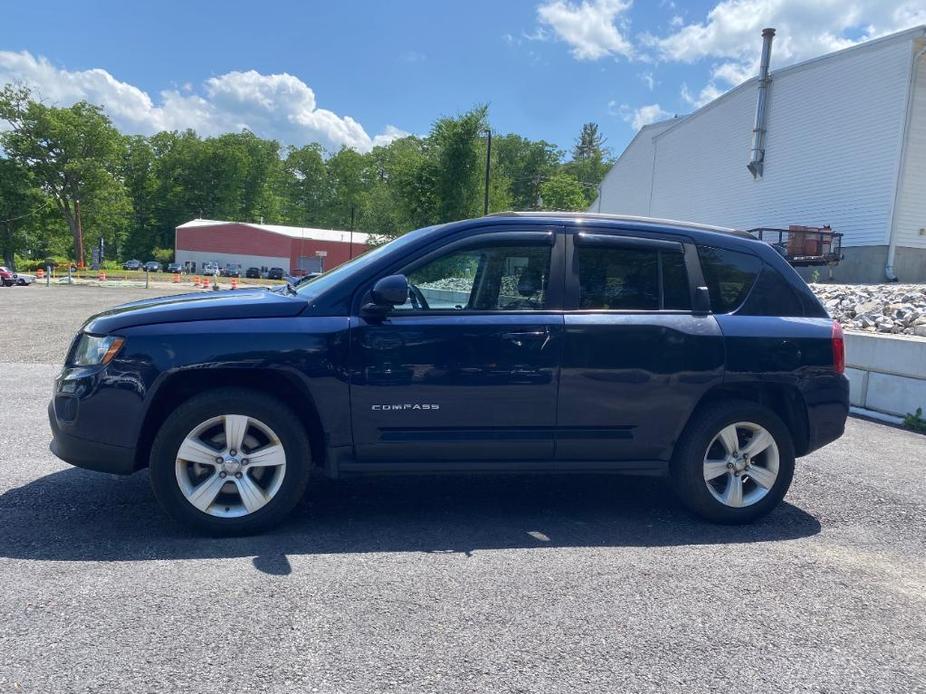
(310, 263)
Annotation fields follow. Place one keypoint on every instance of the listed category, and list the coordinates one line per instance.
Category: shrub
(915, 421)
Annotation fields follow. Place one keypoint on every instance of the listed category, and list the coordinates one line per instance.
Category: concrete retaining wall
(887, 373)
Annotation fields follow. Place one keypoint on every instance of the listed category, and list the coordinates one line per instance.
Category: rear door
(636, 359)
(467, 369)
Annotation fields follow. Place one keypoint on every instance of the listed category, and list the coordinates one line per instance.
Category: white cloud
(390, 134)
(280, 106)
(731, 34)
(588, 26)
(708, 93)
(649, 79)
(640, 116)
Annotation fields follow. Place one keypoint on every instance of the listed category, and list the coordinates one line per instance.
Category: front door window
(491, 278)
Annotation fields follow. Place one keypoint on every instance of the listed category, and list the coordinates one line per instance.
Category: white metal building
(845, 145)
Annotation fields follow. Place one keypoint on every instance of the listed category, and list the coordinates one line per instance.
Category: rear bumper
(91, 455)
(827, 412)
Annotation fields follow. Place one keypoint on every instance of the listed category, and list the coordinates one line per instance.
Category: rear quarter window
(772, 296)
(729, 276)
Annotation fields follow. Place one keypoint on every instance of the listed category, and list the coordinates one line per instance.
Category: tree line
(68, 174)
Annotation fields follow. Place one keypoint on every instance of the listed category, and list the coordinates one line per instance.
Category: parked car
(8, 278)
(210, 268)
(530, 342)
(174, 267)
(275, 273)
(152, 266)
(252, 272)
(231, 270)
(299, 281)
(132, 265)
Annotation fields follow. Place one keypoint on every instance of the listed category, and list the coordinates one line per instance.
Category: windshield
(314, 286)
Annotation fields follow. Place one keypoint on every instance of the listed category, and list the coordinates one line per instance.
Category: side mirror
(387, 292)
(391, 291)
(702, 301)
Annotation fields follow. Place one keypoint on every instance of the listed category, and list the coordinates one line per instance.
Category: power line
(28, 214)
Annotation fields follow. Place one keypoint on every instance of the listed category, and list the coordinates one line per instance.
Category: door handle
(519, 338)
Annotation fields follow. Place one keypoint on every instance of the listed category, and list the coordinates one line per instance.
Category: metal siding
(234, 239)
(910, 216)
(626, 188)
(246, 261)
(337, 252)
(252, 246)
(832, 151)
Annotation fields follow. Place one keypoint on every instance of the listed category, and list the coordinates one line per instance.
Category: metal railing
(803, 246)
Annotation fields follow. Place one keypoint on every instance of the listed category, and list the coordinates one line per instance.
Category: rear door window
(729, 276)
(631, 279)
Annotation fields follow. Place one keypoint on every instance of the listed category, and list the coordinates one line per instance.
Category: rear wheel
(734, 462)
(230, 462)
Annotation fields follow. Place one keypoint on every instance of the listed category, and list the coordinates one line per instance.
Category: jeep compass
(514, 342)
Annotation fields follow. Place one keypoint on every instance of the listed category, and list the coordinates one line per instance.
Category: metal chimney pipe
(757, 157)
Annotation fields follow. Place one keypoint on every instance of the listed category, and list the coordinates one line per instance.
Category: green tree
(304, 186)
(72, 153)
(21, 206)
(346, 186)
(140, 177)
(562, 191)
(525, 164)
(589, 144)
(402, 173)
(455, 159)
(591, 161)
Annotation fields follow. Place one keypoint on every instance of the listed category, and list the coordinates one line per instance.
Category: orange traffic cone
(40, 274)
(196, 281)
(101, 276)
(176, 279)
(234, 283)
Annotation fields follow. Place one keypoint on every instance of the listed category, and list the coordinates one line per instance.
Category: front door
(467, 369)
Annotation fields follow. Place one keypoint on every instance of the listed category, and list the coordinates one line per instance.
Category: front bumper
(91, 455)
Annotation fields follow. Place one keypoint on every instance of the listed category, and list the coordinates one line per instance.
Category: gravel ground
(508, 584)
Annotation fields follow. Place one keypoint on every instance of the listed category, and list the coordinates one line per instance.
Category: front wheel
(734, 462)
(230, 462)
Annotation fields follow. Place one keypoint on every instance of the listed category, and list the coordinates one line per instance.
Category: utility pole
(80, 237)
(485, 206)
(351, 244)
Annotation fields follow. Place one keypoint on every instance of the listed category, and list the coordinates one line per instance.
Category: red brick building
(295, 249)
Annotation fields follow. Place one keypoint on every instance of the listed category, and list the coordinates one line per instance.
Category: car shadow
(76, 515)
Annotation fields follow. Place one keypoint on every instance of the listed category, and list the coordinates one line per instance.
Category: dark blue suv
(528, 342)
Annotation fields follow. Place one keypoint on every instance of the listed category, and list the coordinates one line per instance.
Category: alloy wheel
(230, 466)
(741, 464)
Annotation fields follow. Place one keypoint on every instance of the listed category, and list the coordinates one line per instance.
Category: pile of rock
(898, 309)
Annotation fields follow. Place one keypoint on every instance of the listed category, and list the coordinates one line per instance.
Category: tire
(703, 452)
(202, 425)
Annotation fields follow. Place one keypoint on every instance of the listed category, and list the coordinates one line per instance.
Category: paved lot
(458, 584)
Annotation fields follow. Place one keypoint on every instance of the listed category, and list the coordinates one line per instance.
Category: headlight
(93, 350)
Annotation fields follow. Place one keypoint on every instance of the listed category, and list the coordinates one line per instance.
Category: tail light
(839, 349)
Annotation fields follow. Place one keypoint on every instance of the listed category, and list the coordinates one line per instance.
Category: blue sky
(359, 73)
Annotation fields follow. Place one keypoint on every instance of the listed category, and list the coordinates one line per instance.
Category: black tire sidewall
(272, 412)
(687, 472)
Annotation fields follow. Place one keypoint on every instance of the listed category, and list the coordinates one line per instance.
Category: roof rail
(624, 218)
